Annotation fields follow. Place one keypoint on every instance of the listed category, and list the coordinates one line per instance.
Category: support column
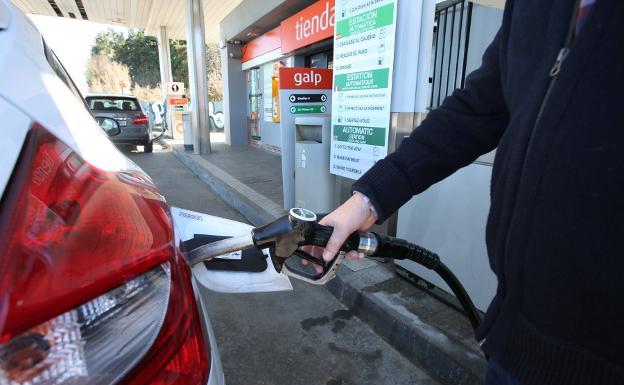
(164, 61)
(234, 96)
(164, 58)
(198, 78)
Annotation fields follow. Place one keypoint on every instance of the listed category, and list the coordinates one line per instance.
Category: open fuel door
(238, 272)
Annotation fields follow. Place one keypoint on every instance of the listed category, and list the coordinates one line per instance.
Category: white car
(94, 288)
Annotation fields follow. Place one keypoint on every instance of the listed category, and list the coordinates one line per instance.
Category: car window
(59, 70)
(112, 104)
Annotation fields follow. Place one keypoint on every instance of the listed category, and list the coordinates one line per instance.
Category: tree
(139, 53)
(213, 64)
(179, 62)
(104, 75)
(107, 43)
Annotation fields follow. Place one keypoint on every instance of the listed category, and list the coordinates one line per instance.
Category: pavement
(305, 336)
(428, 332)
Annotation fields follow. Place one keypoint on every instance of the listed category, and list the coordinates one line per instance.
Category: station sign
(175, 88)
(362, 89)
(302, 91)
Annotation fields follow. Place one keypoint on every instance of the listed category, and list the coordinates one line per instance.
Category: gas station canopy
(142, 14)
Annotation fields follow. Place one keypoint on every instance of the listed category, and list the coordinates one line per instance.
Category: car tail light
(140, 119)
(93, 289)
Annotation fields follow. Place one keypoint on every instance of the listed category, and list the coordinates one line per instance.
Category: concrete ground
(301, 337)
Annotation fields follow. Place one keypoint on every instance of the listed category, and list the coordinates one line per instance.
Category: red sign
(305, 78)
(178, 101)
(309, 26)
(262, 44)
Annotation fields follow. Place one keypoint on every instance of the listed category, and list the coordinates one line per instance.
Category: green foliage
(139, 53)
(179, 62)
(106, 43)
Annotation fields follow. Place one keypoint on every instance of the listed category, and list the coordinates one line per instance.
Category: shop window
(255, 95)
(320, 60)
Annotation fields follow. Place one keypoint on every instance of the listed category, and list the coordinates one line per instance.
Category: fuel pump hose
(383, 246)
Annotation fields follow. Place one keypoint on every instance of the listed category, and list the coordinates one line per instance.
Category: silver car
(127, 111)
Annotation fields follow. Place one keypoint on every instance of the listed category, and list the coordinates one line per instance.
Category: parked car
(94, 288)
(135, 125)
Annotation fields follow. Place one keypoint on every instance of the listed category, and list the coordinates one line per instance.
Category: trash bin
(188, 131)
(314, 185)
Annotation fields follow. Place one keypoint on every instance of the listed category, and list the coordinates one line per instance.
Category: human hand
(353, 215)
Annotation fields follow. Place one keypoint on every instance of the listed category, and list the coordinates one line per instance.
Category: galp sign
(305, 78)
(308, 77)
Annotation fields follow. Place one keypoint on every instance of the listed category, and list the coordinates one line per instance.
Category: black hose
(395, 248)
(460, 293)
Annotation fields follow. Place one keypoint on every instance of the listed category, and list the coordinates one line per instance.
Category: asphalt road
(304, 336)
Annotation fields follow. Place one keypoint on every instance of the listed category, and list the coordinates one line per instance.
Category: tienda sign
(309, 26)
(304, 78)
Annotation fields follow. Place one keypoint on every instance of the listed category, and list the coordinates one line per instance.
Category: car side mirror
(110, 126)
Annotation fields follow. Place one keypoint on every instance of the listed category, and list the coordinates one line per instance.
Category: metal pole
(450, 63)
(461, 26)
(468, 23)
(435, 57)
(198, 81)
(442, 63)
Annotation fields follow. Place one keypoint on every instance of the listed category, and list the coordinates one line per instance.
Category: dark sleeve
(469, 123)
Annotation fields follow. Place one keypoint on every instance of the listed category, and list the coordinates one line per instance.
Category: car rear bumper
(131, 139)
(216, 376)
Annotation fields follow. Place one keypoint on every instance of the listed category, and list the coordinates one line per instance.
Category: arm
(469, 123)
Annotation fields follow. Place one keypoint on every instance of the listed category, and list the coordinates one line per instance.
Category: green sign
(364, 40)
(373, 19)
(316, 109)
(364, 80)
(374, 136)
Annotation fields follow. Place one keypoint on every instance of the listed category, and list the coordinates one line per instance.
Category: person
(548, 96)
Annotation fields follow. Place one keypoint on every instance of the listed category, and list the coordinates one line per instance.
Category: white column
(198, 80)
(164, 61)
(164, 58)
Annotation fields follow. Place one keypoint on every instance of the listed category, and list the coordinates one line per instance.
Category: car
(136, 128)
(95, 287)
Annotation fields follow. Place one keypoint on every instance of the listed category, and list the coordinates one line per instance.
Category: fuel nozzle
(286, 235)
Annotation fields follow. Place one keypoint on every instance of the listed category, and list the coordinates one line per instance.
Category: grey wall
(485, 23)
(234, 97)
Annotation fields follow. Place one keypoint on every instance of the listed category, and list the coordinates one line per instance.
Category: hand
(353, 215)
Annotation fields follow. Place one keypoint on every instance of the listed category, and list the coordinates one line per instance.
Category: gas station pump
(176, 106)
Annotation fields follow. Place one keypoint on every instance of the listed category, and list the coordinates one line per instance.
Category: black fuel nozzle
(284, 236)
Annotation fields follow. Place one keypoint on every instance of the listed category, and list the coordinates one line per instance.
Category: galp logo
(308, 78)
(305, 78)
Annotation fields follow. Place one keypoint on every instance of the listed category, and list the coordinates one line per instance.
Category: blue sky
(71, 40)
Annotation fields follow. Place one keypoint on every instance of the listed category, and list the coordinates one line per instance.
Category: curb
(257, 208)
(448, 359)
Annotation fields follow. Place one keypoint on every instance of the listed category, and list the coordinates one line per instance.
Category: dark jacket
(557, 192)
